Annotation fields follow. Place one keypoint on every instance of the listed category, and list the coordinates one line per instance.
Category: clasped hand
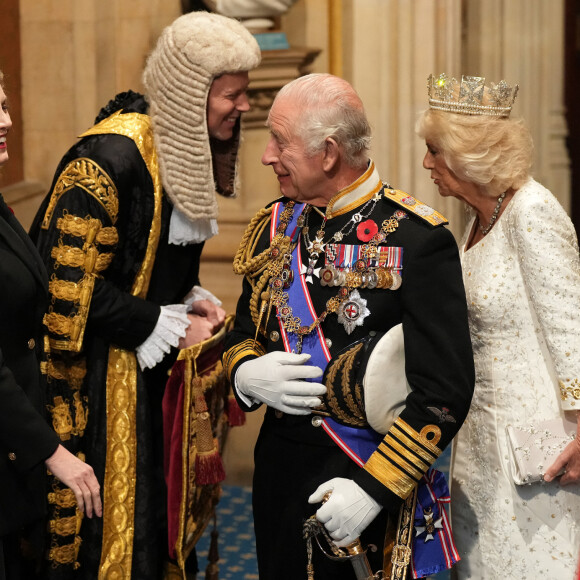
(278, 380)
(205, 319)
(348, 510)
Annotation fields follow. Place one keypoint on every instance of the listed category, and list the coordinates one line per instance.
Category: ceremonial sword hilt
(353, 552)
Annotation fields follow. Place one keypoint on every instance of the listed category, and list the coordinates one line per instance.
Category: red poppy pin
(366, 230)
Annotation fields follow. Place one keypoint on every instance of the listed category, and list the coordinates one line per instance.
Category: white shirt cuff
(171, 326)
(199, 293)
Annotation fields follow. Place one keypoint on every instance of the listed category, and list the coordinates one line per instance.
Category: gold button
(31, 344)
(316, 421)
(278, 414)
(12, 456)
(274, 336)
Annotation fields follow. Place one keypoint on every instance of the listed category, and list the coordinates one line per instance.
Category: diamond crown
(472, 98)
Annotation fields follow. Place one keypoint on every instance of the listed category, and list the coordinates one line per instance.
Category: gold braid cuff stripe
(419, 441)
(239, 351)
(90, 260)
(85, 228)
(408, 461)
(399, 482)
(571, 391)
(87, 175)
(402, 458)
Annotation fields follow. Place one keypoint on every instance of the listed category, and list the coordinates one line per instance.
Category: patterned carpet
(237, 549)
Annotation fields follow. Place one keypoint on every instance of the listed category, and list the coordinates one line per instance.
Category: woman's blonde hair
(491, 152)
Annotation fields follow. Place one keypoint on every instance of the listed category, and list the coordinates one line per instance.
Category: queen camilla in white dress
(521, 272)
(522, 283)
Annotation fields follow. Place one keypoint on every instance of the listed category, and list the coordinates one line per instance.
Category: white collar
(183, 231)
(355, 194)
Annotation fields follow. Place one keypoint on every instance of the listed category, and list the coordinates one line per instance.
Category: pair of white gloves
(278, 380)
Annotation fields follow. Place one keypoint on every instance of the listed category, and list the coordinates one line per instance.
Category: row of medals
(360, 277)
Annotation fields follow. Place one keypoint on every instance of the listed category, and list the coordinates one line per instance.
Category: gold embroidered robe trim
(120, 466)
(74, 374)
(64, 498)
(121, 456)
(89, 259)
(70, 327)
(88, 175)
(61, 418)
(80, 293)
(66, 554)
(239, 351)
(138, 128)
(86, 227)
(66, 526)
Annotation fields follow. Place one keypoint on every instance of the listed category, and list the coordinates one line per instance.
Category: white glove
(348, 511)
(276, 379)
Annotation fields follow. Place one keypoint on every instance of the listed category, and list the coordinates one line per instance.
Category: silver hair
(330, 107)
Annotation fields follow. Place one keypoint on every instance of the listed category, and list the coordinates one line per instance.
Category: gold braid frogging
(245, 263)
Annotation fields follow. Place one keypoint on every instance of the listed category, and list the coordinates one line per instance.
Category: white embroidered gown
(523, 290)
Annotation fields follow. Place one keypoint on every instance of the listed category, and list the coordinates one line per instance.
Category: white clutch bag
(534, 448)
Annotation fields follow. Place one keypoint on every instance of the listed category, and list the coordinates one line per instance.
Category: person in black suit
(341, 259)
(27, 442)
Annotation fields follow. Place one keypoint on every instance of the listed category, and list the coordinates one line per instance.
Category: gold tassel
(208, 462)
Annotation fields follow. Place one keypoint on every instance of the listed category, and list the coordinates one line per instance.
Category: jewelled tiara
(443, 96)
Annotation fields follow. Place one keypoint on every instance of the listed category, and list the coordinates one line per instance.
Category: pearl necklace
(485, 230)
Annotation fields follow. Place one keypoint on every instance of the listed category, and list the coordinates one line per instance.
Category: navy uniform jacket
(430, 304)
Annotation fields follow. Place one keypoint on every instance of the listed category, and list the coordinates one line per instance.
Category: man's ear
(331, 155)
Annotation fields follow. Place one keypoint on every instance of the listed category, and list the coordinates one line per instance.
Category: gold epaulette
(413, 205)
(404, 456)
